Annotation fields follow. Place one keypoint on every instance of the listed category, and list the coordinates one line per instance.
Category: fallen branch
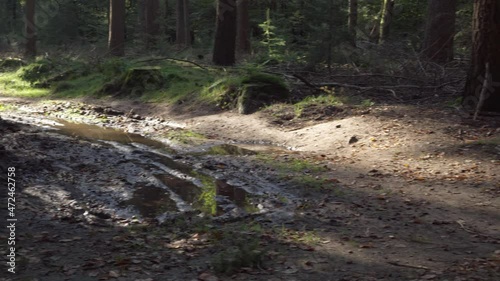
(174, 59)
(384, 87)
(376, 75)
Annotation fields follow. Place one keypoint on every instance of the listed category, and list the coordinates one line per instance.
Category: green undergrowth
(148, 80)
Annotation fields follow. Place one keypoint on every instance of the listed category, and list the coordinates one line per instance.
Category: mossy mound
(37, 71)
(250, 92)
(135, 82)
(8, 64)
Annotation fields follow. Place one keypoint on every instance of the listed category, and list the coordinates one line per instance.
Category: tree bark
(11, 8)
(386, 19)
(440, 30)
(243, 33)
(187, 24)
(152, 10)
(353, 20)
(225, 33)
(485, 49)
(180, 34)
(30, 28)
(116, 40)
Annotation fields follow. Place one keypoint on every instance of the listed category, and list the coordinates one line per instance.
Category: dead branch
(376, 75)
(407, 265)
(327, 84)
(174, 59)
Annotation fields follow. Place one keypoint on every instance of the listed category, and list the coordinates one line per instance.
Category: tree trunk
(116, 42)
(225, 33)
(485, 50)
(12, 14)
(386, 19)
(141, 17)
(243, 33)
(187, 24)
(30, 28)
(180, 33)
(353, 20)
(152, 10)
(440, 30)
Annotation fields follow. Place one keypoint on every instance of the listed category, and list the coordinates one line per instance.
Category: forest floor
(383, 192)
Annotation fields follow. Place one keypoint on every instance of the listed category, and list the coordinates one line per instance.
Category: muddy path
(396, 193)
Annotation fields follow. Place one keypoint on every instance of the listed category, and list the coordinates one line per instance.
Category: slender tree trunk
(243, 33)
(485, 50)
(187, 24)
(116, 42)
(141, 17)
(331, 13)
(440, 30)
(225, 33)
(386, 19)
(152, 23)
(353, 20)
(30, 28)
(12, 16)
(180, 24)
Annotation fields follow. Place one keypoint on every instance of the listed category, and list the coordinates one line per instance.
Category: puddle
(94, 132)
(151, 201)
(186, 190)
(226, 149)
(235, 194)
(172, 187)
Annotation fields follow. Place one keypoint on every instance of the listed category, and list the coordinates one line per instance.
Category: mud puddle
(158, 182)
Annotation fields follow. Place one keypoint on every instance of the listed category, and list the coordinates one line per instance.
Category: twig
(174, 59)
(376, 75)
(385, 87)
(309, 84)
(407, 265)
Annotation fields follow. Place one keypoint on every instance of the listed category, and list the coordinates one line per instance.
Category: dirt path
(396, 193)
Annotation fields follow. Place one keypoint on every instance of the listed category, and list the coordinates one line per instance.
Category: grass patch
(299, 172)
(323, 100)
(184, 136)
(12, 85)
(7, 107)
(82, 86)
(488, 141)
(291, 165)
(298, 236)
(181, 83)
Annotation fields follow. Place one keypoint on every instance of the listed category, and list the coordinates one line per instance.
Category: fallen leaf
(113, 274)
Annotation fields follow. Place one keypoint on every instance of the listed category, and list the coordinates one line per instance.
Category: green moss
(37, 70)
(247, 91)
